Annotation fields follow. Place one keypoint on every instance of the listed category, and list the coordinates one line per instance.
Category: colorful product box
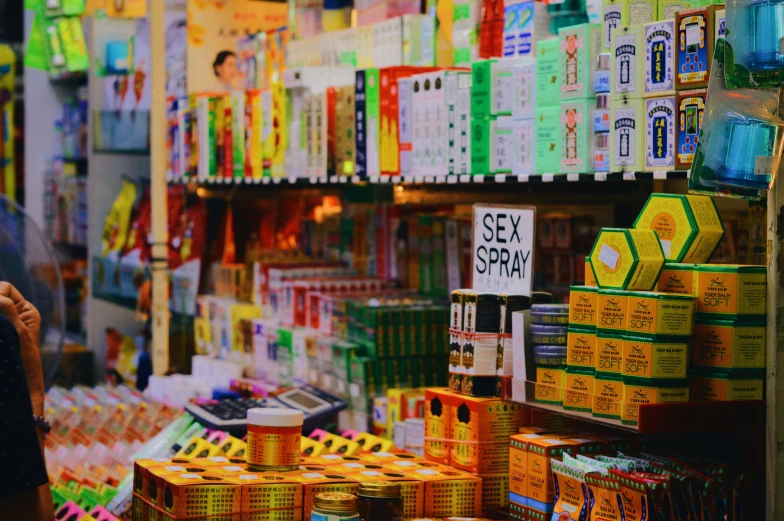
(541, 451)
(484, 91)
(438, 425)
(581, 348)
(725, 387)
(548, 129)
(578, 389)
(628, 133)
(217, 495)
(314, 482)
(726, 290)
(689, 227)
(518, 31)
(609, 353)
(695, 37)
(615, 16)
(612, 308)
(655, 358)
(641, 392)
(583, 306)
(458, 112)
(450, 493)
(482, 149)
(547, 70)
(405, 88)
(368, 130)
(580, 44)
(659, 314)
(660, 118)
(525, 146)
(659, 63)
(524, 89)
(729, 344)
(607, 396)
(389, 111)
(627, 259)
(503, 146)
(677, 278)
(575, 136)
(690, 107)
(626, 71)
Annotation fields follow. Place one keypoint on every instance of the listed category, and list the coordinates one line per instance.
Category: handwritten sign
(503, 248)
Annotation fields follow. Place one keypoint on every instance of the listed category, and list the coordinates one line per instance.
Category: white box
(524, 89)
(405, 124)
(626, 76)
(525, 147)
(660, 121)
(504, 143)
(519, 371)
(457, 95)
(659, 62)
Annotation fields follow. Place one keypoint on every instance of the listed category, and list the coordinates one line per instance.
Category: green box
(580, 45)
(483, 79)
(548, 155)
(482, 131)
(548, 53)
(627, 124)
(575, 136)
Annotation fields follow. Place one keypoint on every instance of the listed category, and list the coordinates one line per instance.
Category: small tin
(548, 335)
(550, 314)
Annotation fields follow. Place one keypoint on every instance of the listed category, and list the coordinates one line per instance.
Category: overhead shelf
(429, 180)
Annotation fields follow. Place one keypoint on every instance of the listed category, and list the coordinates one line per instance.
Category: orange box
(386, 457)
(438, 424)
(411, 490)
(195, 495)
(318, 482)
(518, 458)
(450, 493)
(538, 472)
(330, 460)
(141, 473)
(495, 492)
(277, 494)
(481, 458)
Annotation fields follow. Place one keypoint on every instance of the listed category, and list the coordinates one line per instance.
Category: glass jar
(334, 506)
(380, 501)
(274, 439)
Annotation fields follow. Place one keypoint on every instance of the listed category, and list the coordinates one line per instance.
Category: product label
(607, 398)
(655, 316)
(676, 281)
(581, 348)
(659, 61)
(693, 59)
(612, 20)
(625, 136)
(653, 359)
(609, 355)
(625, 63)
(660, 134)
(273, 446)
(741, 347)
(583, 307)
(690, 111)
(573, 47)
(609, 257)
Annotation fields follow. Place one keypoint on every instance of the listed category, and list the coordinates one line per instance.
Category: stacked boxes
(580, 47)
(547, 127)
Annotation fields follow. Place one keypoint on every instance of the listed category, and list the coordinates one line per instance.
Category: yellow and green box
(729, 344)
(655, 357)
(627, 259)
(609, 353)
(581, 348)
(688, 226)
(578, 389)
(607, 396)
(726, 290)
(642, 392)
(659, 314)
(725, 386)
(580, 44)
(677, 278)
(583, 306)
(551, 375)
(612, 306)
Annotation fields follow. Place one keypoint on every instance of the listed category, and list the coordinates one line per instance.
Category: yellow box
(724, 289)
(677, 278)
(264, 492)
(653, 313)
(550, 375)
(578, 389)
(590, 280)
(725, 387)
(217, 495)
(657, 358)
(583, 306)
(342, 446)
(486, 419)
(495, 492)
(539, 474)
(450, 493)
(371, 443)
(197, 448)
(438, 424)
(626, 259)
(544, 393)
(612, 306)
(312, 448)
(636, 393)
(607, 396)
(688, 226)
(141, 471)
(729, 344)
(609, 353)
(518, 455)
(412, 491)
(581, 348)
(399, 402)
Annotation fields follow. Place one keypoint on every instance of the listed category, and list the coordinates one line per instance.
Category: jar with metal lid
(380, 501)
(274, 439)
(334, 506)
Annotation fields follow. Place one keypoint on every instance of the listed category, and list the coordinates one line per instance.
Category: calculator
(317, 406)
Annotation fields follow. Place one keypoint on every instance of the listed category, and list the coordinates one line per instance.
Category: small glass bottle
(380, 501)
(334, 506)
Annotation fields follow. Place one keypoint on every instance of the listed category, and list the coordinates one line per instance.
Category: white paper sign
(503, 248)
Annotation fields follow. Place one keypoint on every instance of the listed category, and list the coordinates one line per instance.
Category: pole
(158, 190)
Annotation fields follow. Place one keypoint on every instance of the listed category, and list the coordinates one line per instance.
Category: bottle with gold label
(334, 506)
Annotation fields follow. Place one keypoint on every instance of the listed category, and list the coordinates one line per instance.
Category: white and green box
(580, 45)
(525, 146)
(524, 89)
(626, 146)
(548, 56)
(484, 77)
(660, 133)
(548, 124)
(626, 76)
(482, 131)
(503, 153)
(458, 98)
(576, 123)
(659, 62)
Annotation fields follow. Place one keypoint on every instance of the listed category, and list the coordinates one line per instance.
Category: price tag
(323, 180)
(523, 178)
(452, 179)
(600, 176)
(573, 177)
(465, 178)
(548, 178)
(333, 179)
(430, 179)
(763, 165)
(629, 176)
(384, 179)
(343, 179)
(419, 179)
(500, 178)
(355, 179)
(608, 256)
(440, 179)
(660, 174)
(265, 180)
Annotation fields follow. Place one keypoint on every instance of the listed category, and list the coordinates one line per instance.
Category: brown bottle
(380, 501)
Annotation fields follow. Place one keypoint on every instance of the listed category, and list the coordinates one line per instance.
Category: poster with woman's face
(214, 26)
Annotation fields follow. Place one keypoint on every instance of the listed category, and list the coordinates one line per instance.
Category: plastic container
(334, 506)
(274, 439)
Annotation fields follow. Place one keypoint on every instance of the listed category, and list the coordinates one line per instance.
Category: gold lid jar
(335, 502)
(380, 489)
